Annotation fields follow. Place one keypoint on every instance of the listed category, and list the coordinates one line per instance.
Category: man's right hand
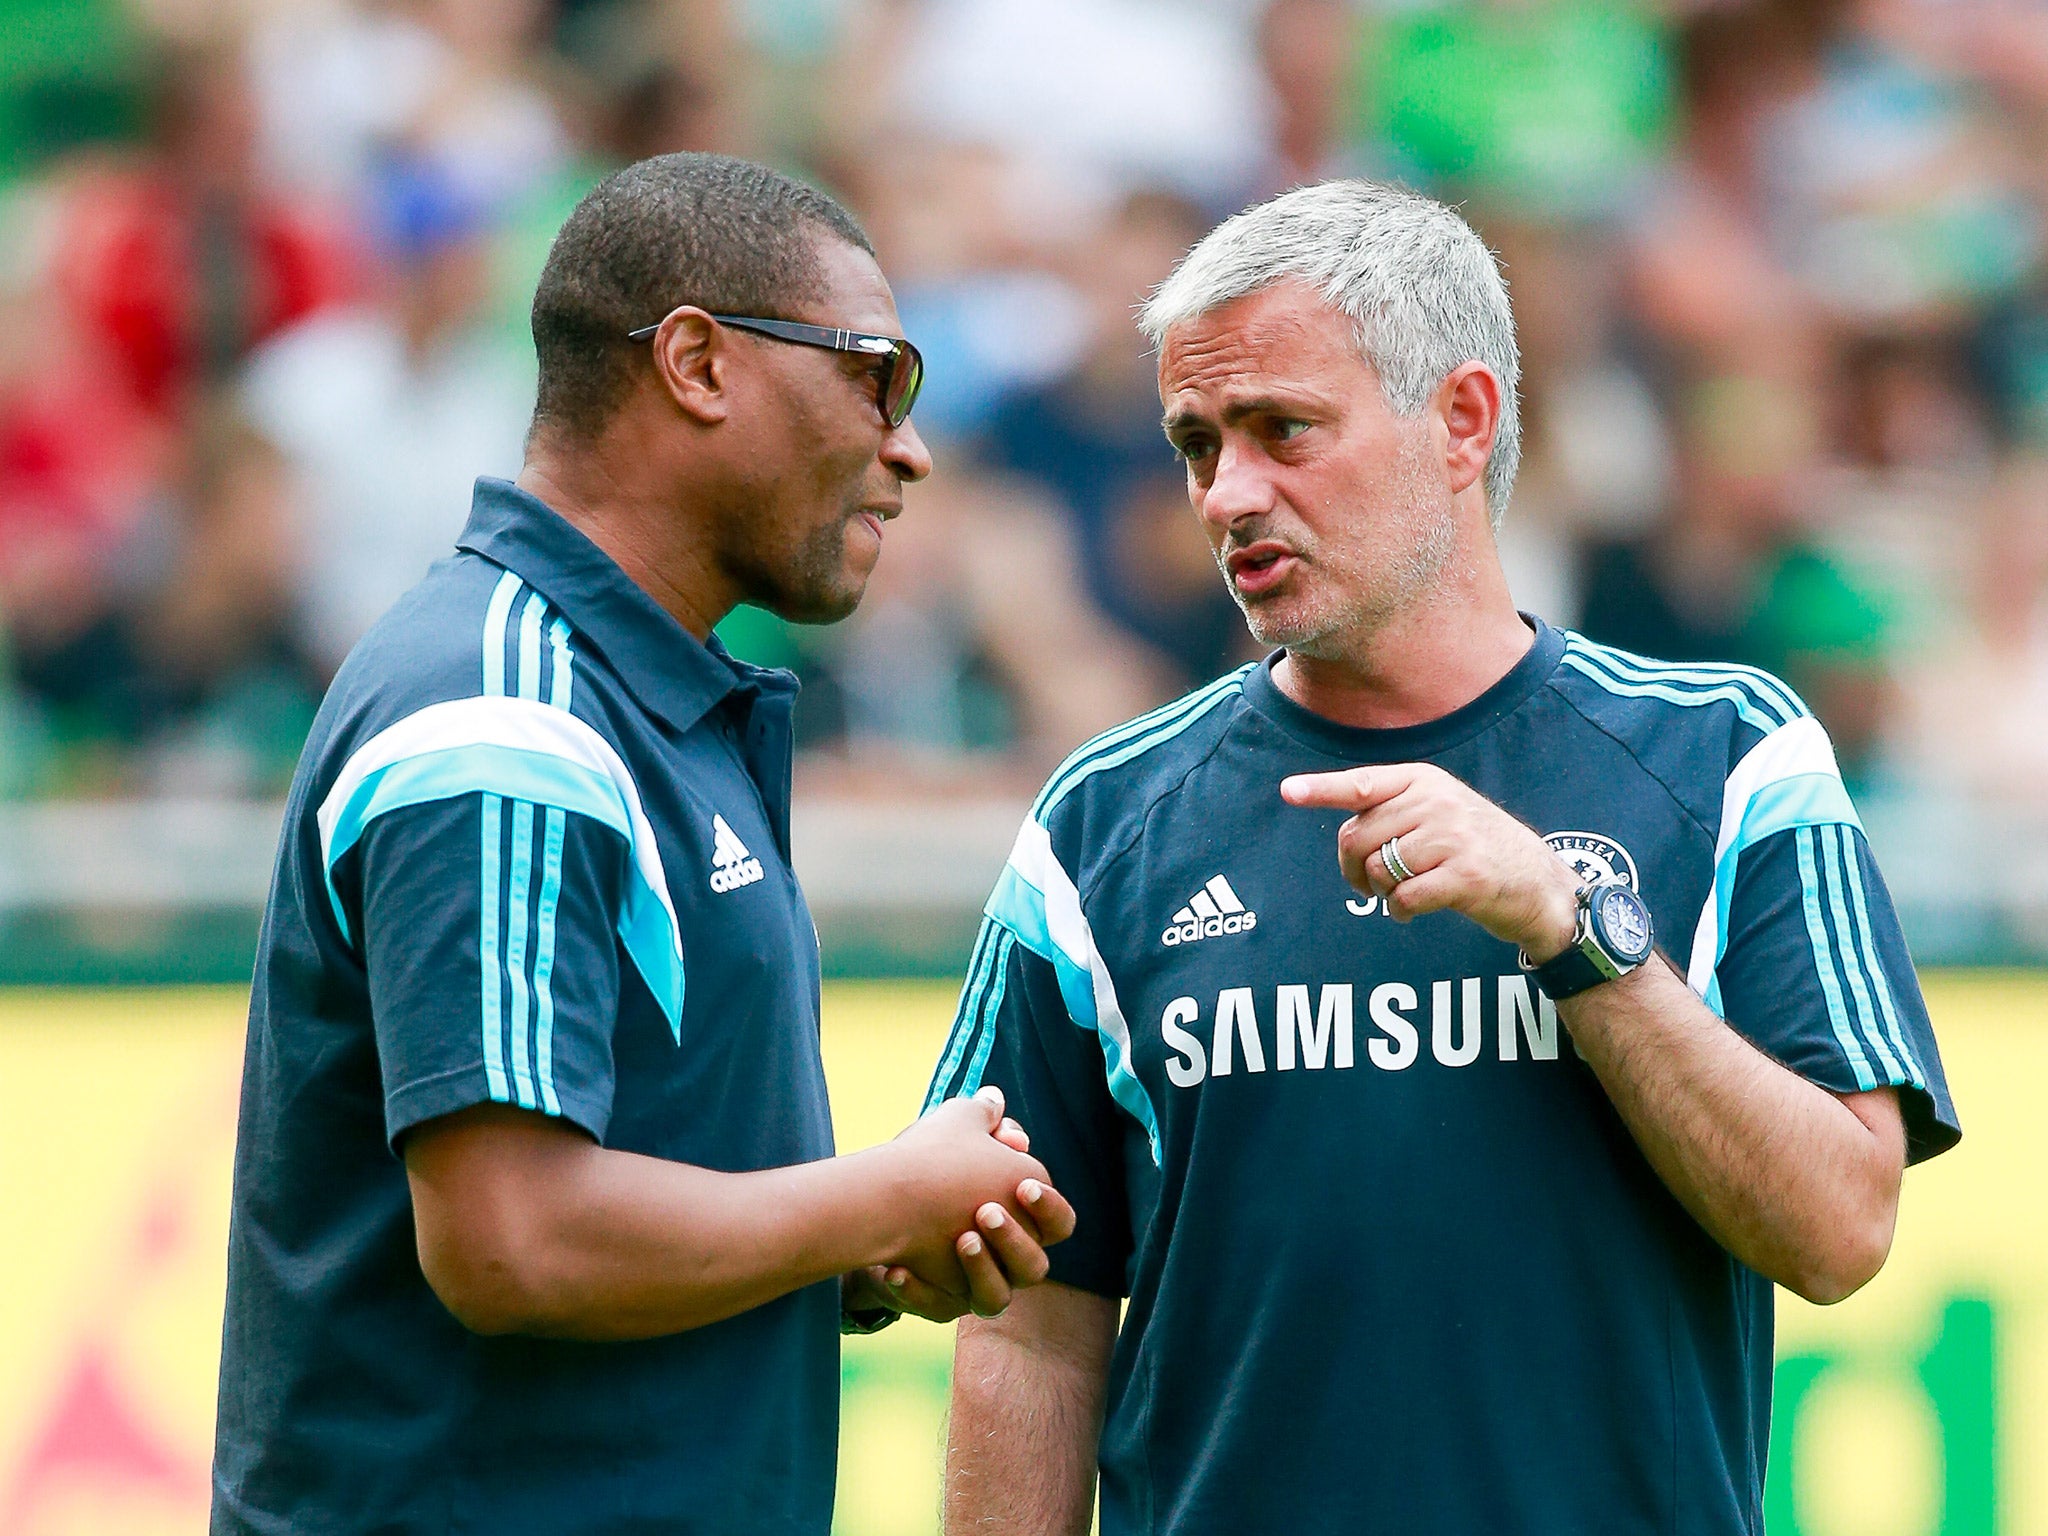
(981, 1210)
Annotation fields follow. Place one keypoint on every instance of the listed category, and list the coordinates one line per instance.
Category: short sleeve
(488, 931)
(1013, 1030)
(1816, 973)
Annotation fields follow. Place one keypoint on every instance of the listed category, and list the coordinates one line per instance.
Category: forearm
(1026, 1414)
(1779, 1171)
(632, 1247)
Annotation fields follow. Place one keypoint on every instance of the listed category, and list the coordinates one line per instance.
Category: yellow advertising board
(1918, 1408)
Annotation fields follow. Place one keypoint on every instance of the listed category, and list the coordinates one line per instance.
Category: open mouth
(1260, 567)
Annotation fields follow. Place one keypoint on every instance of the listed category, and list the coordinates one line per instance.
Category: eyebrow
(1235, 411)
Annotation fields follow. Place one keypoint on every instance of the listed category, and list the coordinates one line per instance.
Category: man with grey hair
(1401, 1253)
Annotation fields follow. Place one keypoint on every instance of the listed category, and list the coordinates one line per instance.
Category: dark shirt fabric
(536, 854)
(1393, 1261)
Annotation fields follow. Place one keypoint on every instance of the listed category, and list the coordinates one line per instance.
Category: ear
(1468, 401)
(691, 357)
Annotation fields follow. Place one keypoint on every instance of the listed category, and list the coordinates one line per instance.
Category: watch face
(1625, 924)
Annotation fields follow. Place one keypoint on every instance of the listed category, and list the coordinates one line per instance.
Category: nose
(1238, 487)
(905, 454)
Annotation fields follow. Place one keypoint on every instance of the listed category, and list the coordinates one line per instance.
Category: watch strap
(1569, 974)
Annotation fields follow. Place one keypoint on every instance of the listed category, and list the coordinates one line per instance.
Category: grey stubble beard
(1358, 603)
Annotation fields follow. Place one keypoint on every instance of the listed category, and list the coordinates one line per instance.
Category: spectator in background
(1092, 437)
(177, 265)
(1889, 191)
(79, 453)
(139, 285)
(386, 413)
(1102, 93)
(1782, 261)
(982, 242)
(343, 85)
(184, 674)
(1704, 282)
(1307, 55)
(1976, 700)
(1595, 453)
(1690, 589)
(975, 638)
(642, 91)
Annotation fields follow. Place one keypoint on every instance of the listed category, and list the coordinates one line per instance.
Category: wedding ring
(1390, 855)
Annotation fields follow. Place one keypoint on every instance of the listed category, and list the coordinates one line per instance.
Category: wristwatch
(1614, 936)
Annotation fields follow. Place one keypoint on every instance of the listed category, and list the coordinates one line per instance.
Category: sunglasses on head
(901, 363)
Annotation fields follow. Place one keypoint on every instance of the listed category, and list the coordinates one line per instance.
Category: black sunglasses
(904, 363)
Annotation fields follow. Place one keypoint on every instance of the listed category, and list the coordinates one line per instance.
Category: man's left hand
(1464, 852)
(1000, 1256)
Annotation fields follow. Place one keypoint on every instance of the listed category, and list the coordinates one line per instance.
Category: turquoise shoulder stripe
(652, 946)
(562, 683)
(1852, 958)
(518, 890)
(1135, 726)
(544, 958)
(1020, 907)
(992, 1013)
(514, 773)
(1133, 748)
(519, 882)
(1866, 938)
(1803, 800)
(965, 1017)
(1056, 786)
(530, 619)
(493, 1023)
(1773, 702)
(495, 617)
(1675, 693)
(1627, 665)
(497, 613)
(1824, 962)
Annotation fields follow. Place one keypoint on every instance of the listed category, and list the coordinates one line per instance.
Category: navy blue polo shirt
(536, 854)
(1394, 1262)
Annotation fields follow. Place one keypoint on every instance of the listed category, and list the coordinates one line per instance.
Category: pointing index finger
(1349, 789)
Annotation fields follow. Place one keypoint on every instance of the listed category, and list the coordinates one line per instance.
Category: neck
(1434, 657)
(649, 535)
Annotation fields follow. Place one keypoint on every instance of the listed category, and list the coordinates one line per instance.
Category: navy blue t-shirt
(1394, 1262)
(537, 854)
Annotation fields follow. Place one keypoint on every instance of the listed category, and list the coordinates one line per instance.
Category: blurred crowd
(1780, 269)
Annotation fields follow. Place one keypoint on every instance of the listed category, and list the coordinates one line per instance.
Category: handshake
(978, 1214)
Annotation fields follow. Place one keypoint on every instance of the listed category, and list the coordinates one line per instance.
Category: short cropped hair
(724, 234)
(1422, 291)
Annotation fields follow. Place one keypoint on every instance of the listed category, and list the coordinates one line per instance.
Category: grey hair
(1422, 291)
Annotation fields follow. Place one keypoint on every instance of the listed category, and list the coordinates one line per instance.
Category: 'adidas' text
(733, 866)
(1213, 911)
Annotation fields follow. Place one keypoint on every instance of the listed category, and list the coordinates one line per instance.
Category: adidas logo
(732, 865)
(1214, 910)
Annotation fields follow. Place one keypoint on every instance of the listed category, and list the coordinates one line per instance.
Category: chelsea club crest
(1596, 858)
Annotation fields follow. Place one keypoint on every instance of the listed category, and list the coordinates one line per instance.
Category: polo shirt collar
(671, 672)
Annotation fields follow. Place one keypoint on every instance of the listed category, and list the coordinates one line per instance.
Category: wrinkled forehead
(1280, 335)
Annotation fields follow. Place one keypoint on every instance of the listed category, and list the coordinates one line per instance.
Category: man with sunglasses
(536, 1222)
